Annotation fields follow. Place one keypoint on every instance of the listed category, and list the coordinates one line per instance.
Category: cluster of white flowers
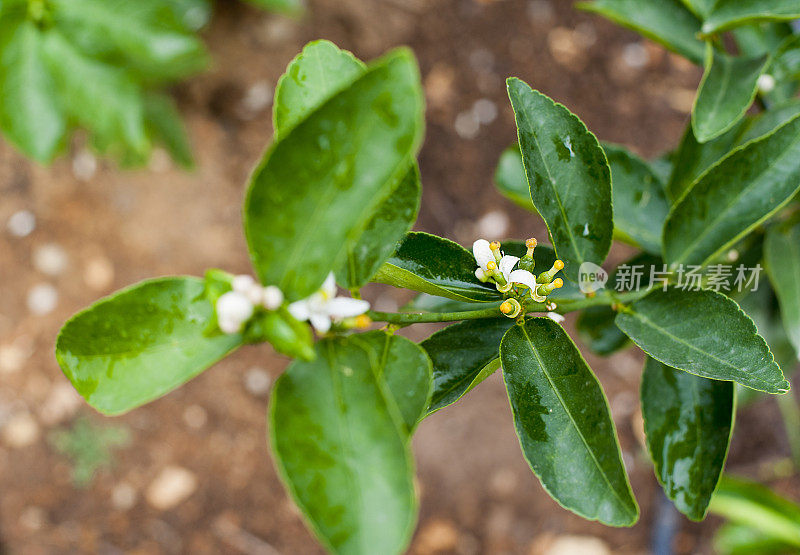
(237, 306)
(321, 309)
(324, 307)
(497, 267)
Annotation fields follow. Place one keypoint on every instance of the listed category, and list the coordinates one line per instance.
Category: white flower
(323, 307)
(271, 298)
(766, 83)
(483, 254)
(233, 309)
(527, 279)
(555, 317)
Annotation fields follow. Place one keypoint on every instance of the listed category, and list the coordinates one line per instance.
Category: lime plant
(102, 66)
(332, 203)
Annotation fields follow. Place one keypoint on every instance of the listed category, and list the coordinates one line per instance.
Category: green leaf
(597, 329)
(726, 92)
(406, 369)
(194, 14)
(703, 333)
(733, 197)
(733, 13)
(431, 303)
(463, 355)
(753, 505)
(312, 77)
(299, 210)
(688, 422)
(147, 36)
(563, 422)
(509, 177)
(738, 539)
(569, 178)
(640, 203)
(388, 225)
(337, 441)
(437, 266)
(693, 158)
(98, 96)
(782, 259)
(288, 7)
(164, 123)
(667, 22)
(30, 114)
(140, 343)
(700, 8)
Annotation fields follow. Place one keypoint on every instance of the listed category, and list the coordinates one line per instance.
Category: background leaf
(290, 7)
(30, 115)
(597, 329)
(463, 355)
(703, 333)
(562, 419)
(640, 202)
(726, 92)
(163, 122)
(733, 197)
(437, 266)
(510, 178)
(667, 22)
(299, 207)
(782, 258)
(338, 442)
(568, 175)
(688, 422)
(732, 13)
(140, 343)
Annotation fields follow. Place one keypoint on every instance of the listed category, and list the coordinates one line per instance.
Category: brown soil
(478, 495)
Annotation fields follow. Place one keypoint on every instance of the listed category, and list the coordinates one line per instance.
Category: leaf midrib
(572, 420)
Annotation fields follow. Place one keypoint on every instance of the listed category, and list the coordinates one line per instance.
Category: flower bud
(233, 310)
(271, 297)
(511, 308)
(547, 288)
(527, 262)
(495, 246)
(242, 283)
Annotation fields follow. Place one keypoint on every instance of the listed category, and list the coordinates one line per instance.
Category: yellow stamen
(363, 321)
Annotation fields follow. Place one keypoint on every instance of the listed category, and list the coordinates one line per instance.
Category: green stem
(791, 421)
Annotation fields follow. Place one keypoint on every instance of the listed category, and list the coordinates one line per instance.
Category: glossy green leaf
(754, 505)
(312, 77)
(563, 422)
(98, 96)
(667, 22)
(194, 14)
(146, 36)
(299, 210)
(164, 123)
(569, 178)
(740, 539)
(390, 222)
(337, 440)
(704, 333)
(437, 266)
(732, 13)
(141, 343)
(693, 158)
(431, 303)
(726, 92)
(734, 196)
(463, 355)
(782, 258)
(700, 8)
(509, 177)
(406, 369)
(30, 114)
(687, 422)
(597, 329)
(640, 202)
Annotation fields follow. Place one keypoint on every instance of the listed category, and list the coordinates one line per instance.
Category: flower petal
(482, 252)
(234, 307)
(321, 322)
(345, 307)
(555, 317)
(300, 310)
(507, 264)
(524, 277)
(329, 286)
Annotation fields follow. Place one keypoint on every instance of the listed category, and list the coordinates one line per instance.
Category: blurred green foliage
(101, 65)
(89, 447)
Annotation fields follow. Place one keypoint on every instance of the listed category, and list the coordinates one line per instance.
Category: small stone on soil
(123, 496)
(42, 299)
(257, 381)
(574, 545)
(50, 259)
(20, 431)
(195, 416)
(61, 404)
(21, 223)
(84, 165)
(436, 536)
(172, 486)
(99, 273)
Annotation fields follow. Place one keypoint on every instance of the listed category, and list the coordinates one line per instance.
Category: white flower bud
(555, 317)
(233, 309)
(272, 297)
(766, 83)
(241, 284)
